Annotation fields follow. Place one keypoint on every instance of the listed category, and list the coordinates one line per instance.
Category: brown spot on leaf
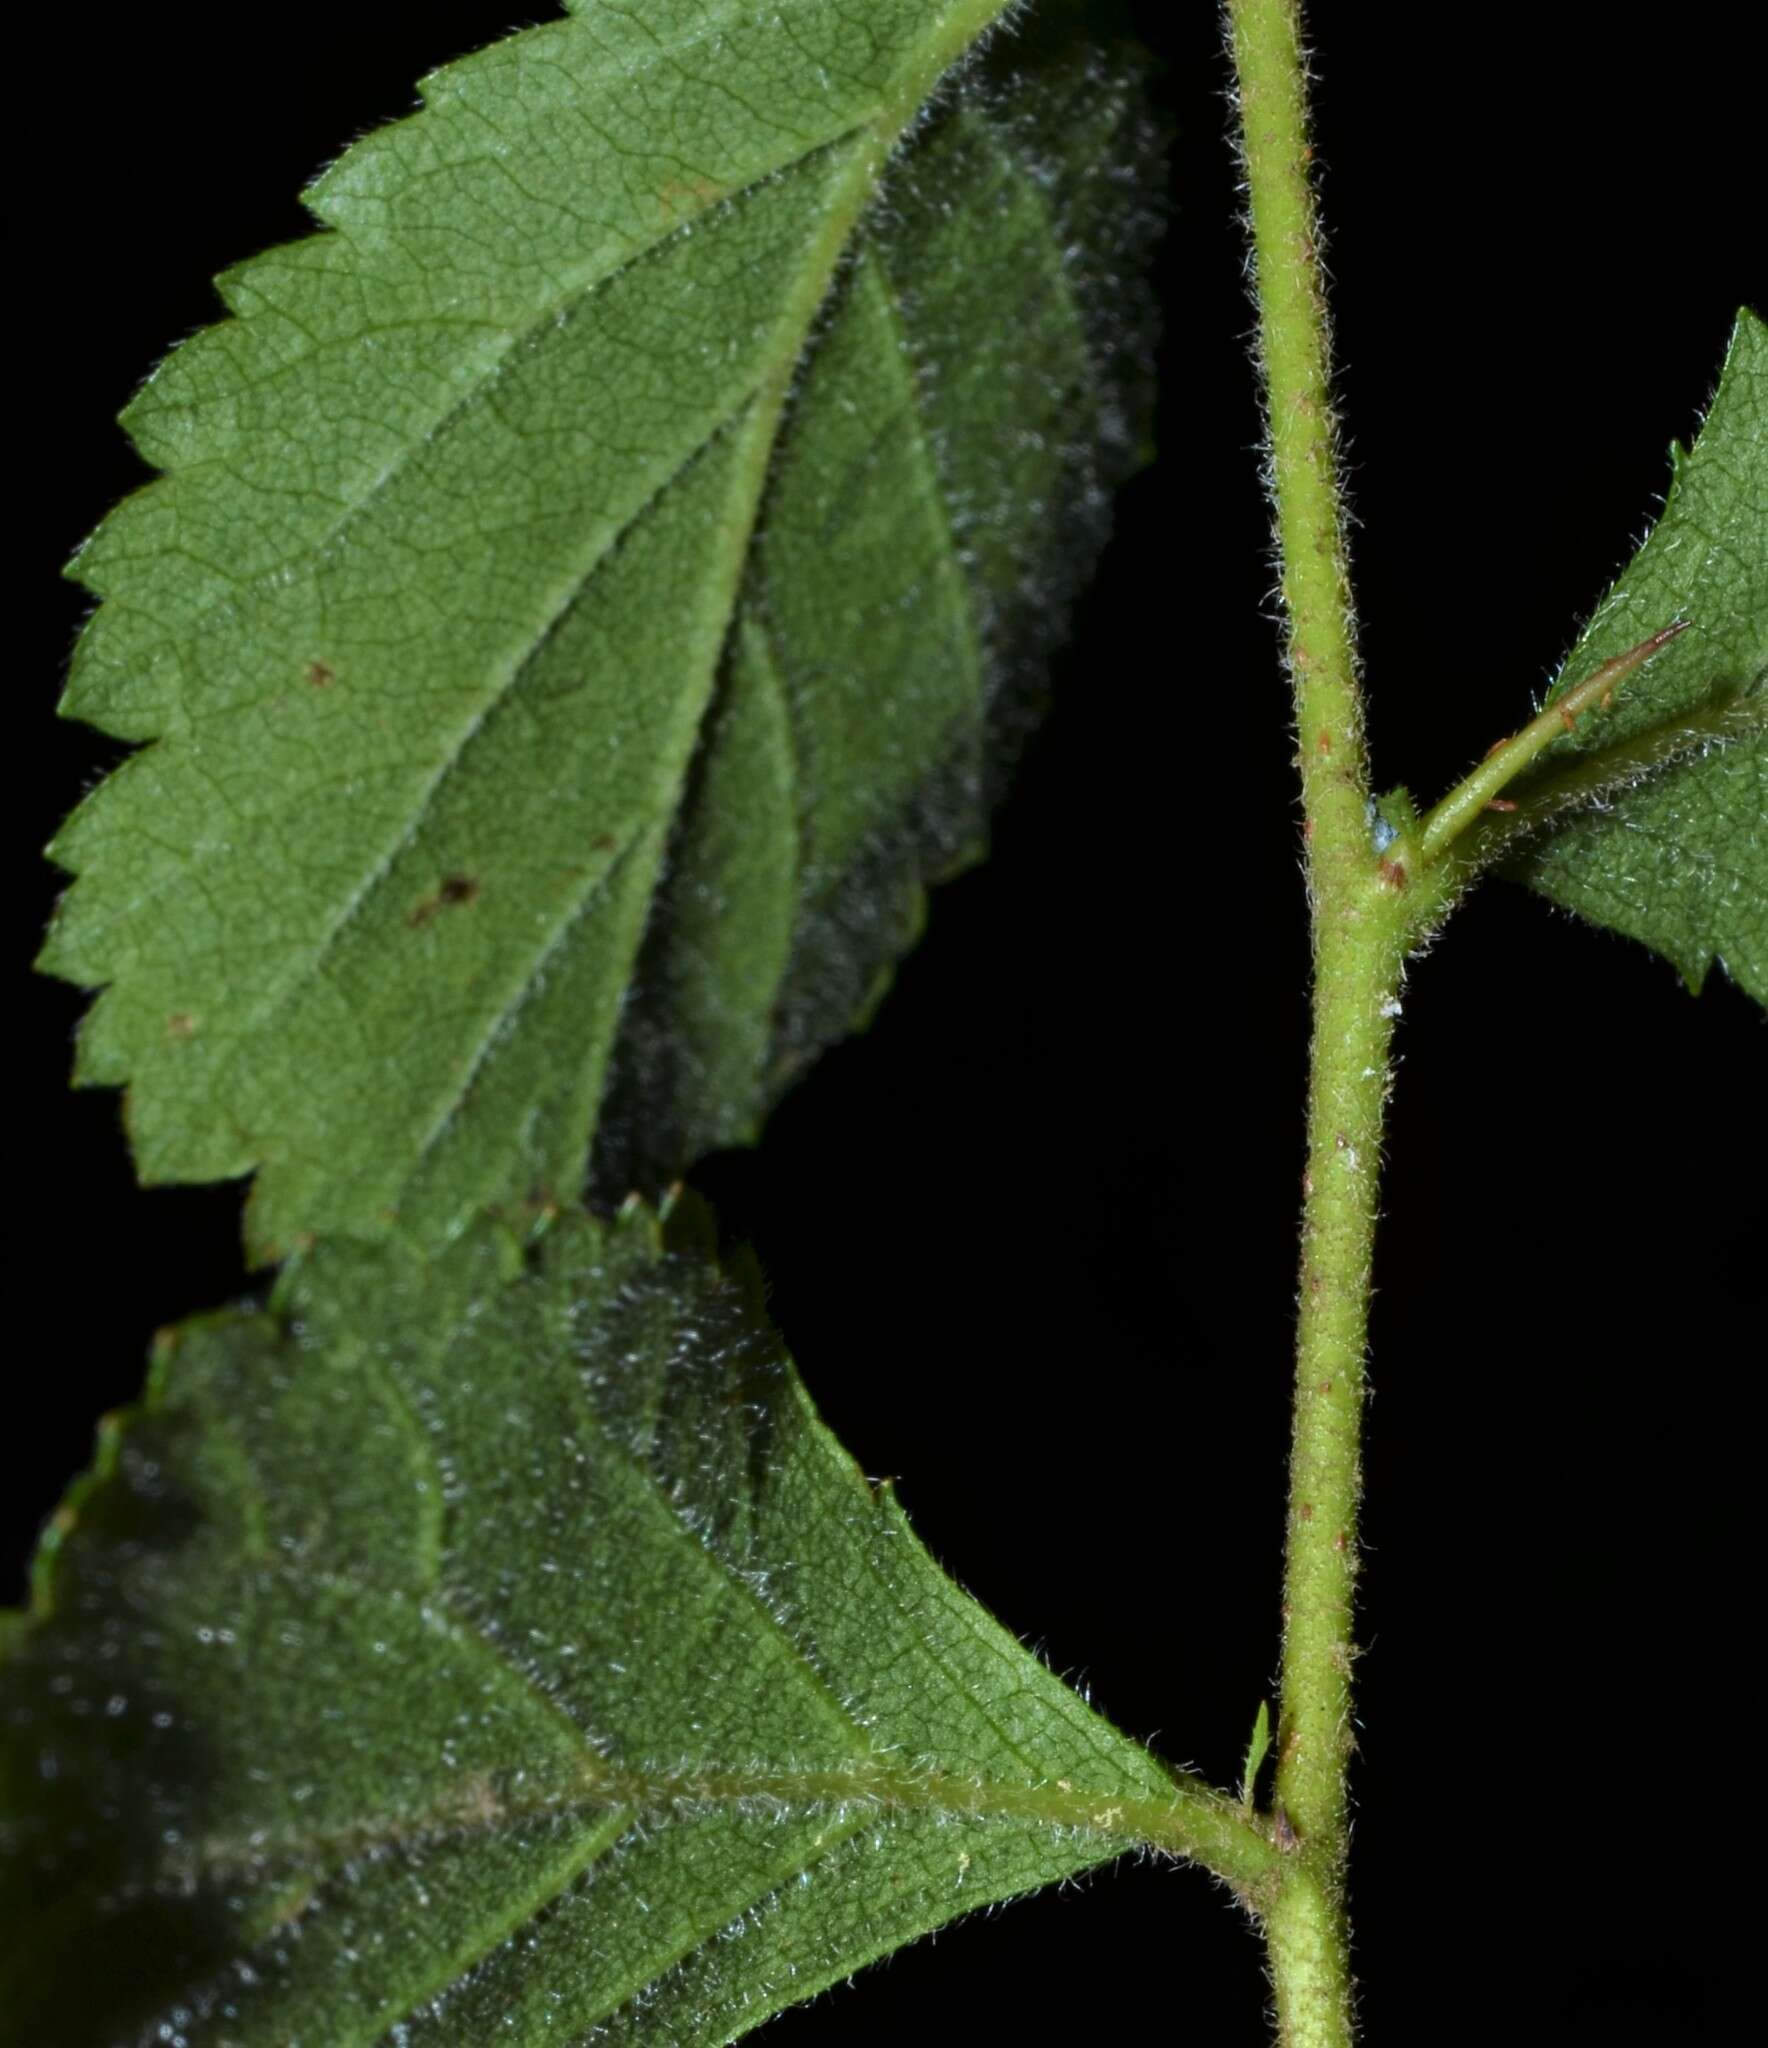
(180, 1025)
(321, 674)
(454, 889)
(605, 842)
(1393, 873)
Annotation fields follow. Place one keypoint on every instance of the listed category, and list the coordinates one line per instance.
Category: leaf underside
(1680, 859)
(500, 1649)
(595, 586)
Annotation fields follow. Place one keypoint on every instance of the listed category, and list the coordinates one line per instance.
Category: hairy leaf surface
(591, 591)
(1680, 857)
(500, 1649)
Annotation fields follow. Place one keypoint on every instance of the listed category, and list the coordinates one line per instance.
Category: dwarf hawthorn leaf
(589, 595)
(499, 1648)
(1680, 858)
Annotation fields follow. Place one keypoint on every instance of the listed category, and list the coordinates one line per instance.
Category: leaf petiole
(1483, 789)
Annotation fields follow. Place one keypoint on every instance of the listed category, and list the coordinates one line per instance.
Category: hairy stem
(1359, 936)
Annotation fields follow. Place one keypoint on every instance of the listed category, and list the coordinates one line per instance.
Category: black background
(1032, 1239)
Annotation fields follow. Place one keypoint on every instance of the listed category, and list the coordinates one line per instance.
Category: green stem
(1303, 431)
(1358, 952)
(1360, 928)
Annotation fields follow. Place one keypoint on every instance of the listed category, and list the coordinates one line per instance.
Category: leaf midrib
(635, 1792)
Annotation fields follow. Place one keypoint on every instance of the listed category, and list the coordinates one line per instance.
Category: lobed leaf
(590, 597)
(1675, 851)
(500, 1649)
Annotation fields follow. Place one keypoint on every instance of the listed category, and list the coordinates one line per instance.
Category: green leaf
(1680, 857)
(500, 1648)
(592, 594)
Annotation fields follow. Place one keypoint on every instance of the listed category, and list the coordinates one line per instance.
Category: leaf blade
(1679, 859)
(449, 719)
(657, 1661)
